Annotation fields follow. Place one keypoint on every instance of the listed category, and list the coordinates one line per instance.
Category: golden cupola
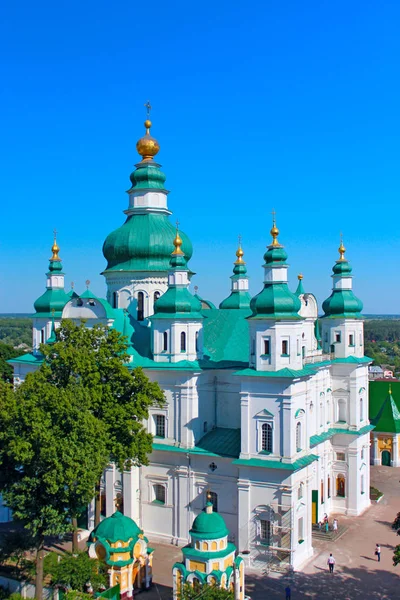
(147, 146)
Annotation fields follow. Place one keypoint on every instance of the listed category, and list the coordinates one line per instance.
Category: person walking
(288, 592)
(335, 524)
(326, 526)
(331, 563)
(378, 552)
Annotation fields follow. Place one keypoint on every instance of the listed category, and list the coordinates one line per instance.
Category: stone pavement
(357, 573)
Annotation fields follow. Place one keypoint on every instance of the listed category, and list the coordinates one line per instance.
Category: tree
(97, 357)
(7, 352)
(52, 451)
(75, 571)
(396, 527)
(206, 592)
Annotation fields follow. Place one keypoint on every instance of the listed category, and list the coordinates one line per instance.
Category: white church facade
(263, 410)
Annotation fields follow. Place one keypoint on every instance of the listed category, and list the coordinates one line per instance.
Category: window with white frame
(266, 348)
(266, 437)
(340, 456)
(160, 425)
(265, 531)
(159, 493)
(285, 347)
(362, 484)
(165, 341)
(300, 529)
(298, 436)
(342, 410)
(300, 491)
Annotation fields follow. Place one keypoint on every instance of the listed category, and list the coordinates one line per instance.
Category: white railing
(316, 358)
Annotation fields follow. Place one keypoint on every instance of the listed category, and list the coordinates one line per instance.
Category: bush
(73, 571)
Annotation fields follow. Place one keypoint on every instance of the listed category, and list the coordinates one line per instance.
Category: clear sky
(256, 105)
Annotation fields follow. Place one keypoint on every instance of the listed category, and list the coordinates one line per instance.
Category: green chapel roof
(208, 526)
(237, 298)
(342, 303)
(117, 528)
(52, 299)
(275, 301)
(384, 406)
(300, 289)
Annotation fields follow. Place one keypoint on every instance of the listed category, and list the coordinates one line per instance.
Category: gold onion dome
(177, 243)
(147, 146)
(55, 250)
(341, 249)
(274, 232)
(239, 254)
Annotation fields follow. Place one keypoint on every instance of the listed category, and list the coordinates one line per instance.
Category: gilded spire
(177, 242)
(239, 253)
(147, 146)
(55, 248)
(274, 231)
(341, 248)
(300, 276)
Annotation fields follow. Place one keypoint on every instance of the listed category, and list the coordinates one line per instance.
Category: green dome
(342, 303)
(237, 299)
(177, 301)
(117, 528)
(52, 299)
(147, 176)
(209, 526)
(143, 243)
(275, 301)
(275, 255)
(342, 267)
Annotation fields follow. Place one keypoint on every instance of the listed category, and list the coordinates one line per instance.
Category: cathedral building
(265, 408)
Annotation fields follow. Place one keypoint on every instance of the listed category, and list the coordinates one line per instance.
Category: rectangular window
(340, 456)
(362, 485)
(265, 532)
(160, 426)
(266, 347)
(300, 529)
(42, 336)
(266, 437)
(351, 339)
(338, 337)
(159, 494)
(285, 347)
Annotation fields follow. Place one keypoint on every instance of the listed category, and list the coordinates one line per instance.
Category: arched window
(300, 491)
(342, 417)
(298, 436)
(361, 410)
(165, 341)
(266, 437)
(213, 497)
(140, 306)
(183, 341)
(329, 486)
(322, 491)
(340, 486)
(197, 341)
(42, 336)
(115, 300)
(156, 296)
(160, 426)
(159, 493)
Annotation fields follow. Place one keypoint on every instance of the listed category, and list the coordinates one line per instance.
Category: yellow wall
(385, 443)
(120, 556)
(228, 562)
(194, 565)
(215, 566)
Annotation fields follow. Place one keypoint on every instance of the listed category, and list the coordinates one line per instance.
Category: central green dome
(143, 243)
(117, 528)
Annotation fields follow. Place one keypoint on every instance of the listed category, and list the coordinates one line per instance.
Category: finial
(239, 252)
(177, 242)
(300, 276)
(341, 248)
(274, 231)
(87, 282)
(209, 504)
(72, 285)
(196, 289)
(147, 146)
(390, 388)
(55, 248)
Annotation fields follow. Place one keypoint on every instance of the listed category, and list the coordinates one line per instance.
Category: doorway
(386, 458)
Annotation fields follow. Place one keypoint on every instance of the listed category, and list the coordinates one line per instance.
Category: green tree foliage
(74, 571)
(52, 451)
(15, 331)
(206, 592)
(118, 398)
(396, 527)
(7, 352)
(14, 545)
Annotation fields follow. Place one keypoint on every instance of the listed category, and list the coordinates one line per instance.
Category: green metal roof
(189, 552)
(221, 441)
(226, 336)
(116, 528)
(276, 301)
(277, 464)
(282, 373)
(143, 243)
(29, 358)
(208, 526)
(52, 299)
(327, 435)
(384, 407)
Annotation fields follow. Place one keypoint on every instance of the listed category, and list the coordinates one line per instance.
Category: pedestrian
(288, 592)
(326, 526)
(378, 552)
(335, 524)
(320, 525)
(325, 518)
(331, 563)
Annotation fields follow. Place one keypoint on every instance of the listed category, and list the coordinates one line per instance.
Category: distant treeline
(16, 331)
(382, 330)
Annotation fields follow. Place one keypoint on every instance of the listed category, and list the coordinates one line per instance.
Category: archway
(386, 458)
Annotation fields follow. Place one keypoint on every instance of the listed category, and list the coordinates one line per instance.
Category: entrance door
(314, 514)
(386, 458)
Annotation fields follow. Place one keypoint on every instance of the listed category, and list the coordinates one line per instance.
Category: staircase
(331, 536)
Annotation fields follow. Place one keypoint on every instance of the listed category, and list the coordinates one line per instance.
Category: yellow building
(209, 558)
(121, 544)
(384, 414)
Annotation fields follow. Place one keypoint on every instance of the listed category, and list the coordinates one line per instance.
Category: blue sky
(269, 104)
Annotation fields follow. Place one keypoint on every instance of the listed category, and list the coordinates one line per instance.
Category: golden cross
(72, 285)
(149, 107)
(55, 233)
(87, 283)
(240, 239)
(273, 213)
(177, 224)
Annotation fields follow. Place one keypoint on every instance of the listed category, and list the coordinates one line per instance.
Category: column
(244, 533)
(395, 453)
(109, 484)
(376, 460)
(131, 493)
(244, 430)
(286, 430)
(353, 483)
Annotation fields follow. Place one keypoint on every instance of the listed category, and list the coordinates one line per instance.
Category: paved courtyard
(357, 572)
